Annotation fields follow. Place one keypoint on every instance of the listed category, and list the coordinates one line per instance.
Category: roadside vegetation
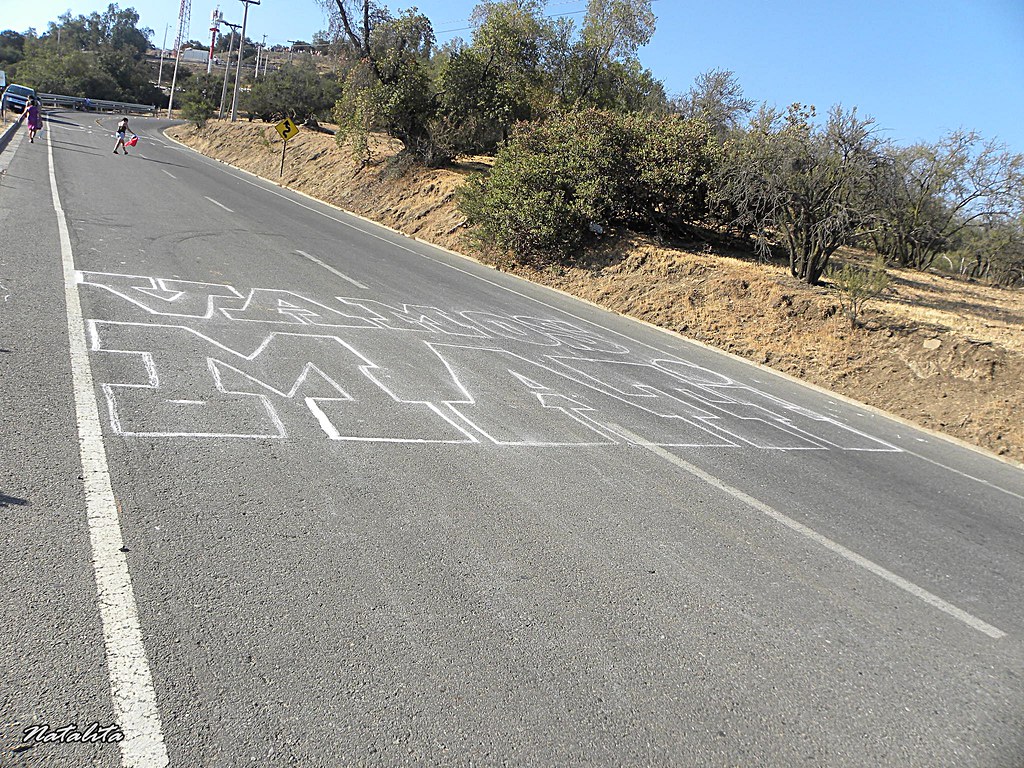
(587, 145)
(99, 56)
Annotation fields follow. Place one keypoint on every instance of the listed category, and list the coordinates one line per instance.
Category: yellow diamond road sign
(287, 128)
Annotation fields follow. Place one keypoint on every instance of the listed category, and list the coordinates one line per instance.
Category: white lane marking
(907, 586)
(514, 292)
(963, 474)
(331, 269)
(220, 204)
(131, 683)
(173, 176)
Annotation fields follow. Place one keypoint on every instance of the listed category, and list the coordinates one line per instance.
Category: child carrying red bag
(122, 129)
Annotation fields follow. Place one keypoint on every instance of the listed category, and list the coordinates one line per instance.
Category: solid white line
(331, 269)
(174, 177)
(216, 203)
(131, 683)
(907, 586)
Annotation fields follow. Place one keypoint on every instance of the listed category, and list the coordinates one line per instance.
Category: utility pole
(260, 55)
(227, 68)
(184, 18)
(160, 73)
(241, 50)
(174, 81)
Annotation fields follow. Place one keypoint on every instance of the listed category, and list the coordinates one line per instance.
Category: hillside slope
(944, 354)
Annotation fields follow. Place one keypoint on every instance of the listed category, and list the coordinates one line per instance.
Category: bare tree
(937, 191)
(808, 186)
(717, 98)
(992, 250)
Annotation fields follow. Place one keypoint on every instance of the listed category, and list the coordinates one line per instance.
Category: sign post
(287, 129)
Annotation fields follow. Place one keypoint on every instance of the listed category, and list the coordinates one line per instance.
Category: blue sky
(919, 68)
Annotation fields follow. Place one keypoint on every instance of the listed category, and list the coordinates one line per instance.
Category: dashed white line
(948, 468)
(173, 176)
(216, 203)
(332, 270)
(131, 683)
(907, 586)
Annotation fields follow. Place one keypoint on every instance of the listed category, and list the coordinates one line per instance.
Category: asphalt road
(281, 487)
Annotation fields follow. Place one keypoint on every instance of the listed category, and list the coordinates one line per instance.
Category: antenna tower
(184, 23)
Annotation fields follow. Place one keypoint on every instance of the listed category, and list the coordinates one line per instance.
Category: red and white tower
(215, 19)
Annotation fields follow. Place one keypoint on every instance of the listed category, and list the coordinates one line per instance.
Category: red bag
(132, 141)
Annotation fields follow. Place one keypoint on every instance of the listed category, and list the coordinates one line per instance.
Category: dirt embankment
(946, 354)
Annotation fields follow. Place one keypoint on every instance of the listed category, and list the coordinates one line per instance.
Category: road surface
(282, 487)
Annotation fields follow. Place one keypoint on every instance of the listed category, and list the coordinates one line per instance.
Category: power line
(549, 5)
(546, 16)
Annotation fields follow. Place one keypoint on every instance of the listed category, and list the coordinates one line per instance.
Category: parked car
(16, 96)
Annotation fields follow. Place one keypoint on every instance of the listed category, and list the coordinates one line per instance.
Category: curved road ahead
(282, 487)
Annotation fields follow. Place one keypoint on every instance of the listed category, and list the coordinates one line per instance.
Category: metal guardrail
(97, 105)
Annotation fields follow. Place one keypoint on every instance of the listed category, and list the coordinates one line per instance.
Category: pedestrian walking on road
(122, 129)
(33, 120)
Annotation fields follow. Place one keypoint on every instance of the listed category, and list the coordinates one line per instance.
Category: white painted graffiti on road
(275, 364)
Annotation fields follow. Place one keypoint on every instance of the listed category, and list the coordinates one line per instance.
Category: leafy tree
(598, 68)
(937, 191)
(498, 79)
(114, 29)
(75, 73)
(354, 22)
(557, 183)
(101, 56)
(809, 185)
(200, 99)
(296, 90)
(12, 47)
(392, 89)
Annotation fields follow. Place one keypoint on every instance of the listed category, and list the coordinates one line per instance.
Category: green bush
(855, 286)
(200, 99)
(297, 91)
(557, 184)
